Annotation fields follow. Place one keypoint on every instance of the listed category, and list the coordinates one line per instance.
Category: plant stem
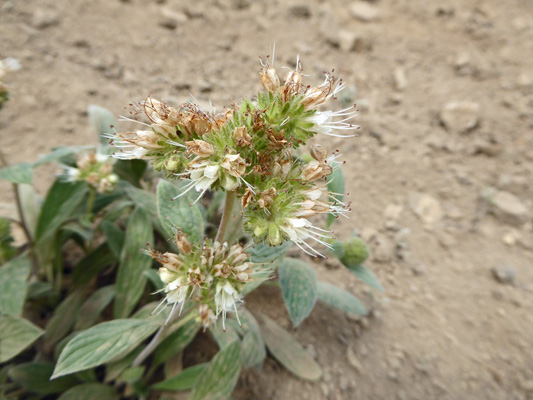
(224, 222)
(155, 340)
(90, 202)
(18, 202)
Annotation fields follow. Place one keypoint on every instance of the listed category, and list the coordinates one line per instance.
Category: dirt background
(445, 90)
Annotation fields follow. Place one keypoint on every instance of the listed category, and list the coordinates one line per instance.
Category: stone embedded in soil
(383, 249)
(363, 11)
(426, 207)
(508, 208)
(503, 273)
(460, 116)
(301, 11)
(486, 147)
(43, 19)
(171, 19)
(353, 360)
(352, 41)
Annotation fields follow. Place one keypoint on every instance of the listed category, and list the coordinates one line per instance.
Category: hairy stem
(155, 340)
(18, 202)
(224, 222)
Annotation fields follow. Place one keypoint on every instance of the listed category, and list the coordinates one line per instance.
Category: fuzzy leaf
(102, 121)
(263, 253)
(17, 173)
(114, 236)
(298, 286)
(60, 203)
(90, 391)
(31, 206)
(225, 335)
(143, 199)
(184, 380)
(13, 286)
(64, 317)
(59, 153)
(178, 213)
(253, 346)
(337, 297)
(15, 335)
(130, 279)
(220, 377)
(91, 265)
(366, 276)
(93, 307)
(35, 377)
(102, 343)
(131, 171)
(288, 351)
(176, 341)
(336, 184)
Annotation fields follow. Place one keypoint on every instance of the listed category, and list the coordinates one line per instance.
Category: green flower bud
(355, 252)
(172, 164)
(261, 228)
(274, 235)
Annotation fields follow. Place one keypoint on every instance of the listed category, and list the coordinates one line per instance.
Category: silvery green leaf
(60, 203)
(93, 307)
(253, 346)
(298, 286)
(102, 343)
(178, 213)
(35, 377)
(17, 173)
(90, 391)
(64, 317)
(184, 380)
(130, 281)
(176, 341)
(366, 276)
(103, 122)
(220, 377)
(288, 351)
(114, 236)
(59, 153)
(16, 334)
(31, 206)
(337, 297)
(13, 285)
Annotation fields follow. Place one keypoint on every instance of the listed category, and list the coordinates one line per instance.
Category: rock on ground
(460, 116)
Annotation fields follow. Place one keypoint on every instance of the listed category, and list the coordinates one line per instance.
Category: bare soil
(445, 327)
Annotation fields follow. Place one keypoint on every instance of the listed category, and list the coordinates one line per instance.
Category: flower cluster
(248, 150)
(213, 274)
(6, 65)
(94, 168)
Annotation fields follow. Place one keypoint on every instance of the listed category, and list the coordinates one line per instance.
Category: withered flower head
(199, 148)
(241, 136)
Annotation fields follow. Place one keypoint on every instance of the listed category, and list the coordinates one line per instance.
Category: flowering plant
(215, 200)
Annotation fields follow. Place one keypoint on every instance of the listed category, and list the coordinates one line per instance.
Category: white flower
(323, 121)
(300, 229)
(202, 177)
(226, 297)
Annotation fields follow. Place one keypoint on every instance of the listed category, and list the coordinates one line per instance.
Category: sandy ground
(445, 90)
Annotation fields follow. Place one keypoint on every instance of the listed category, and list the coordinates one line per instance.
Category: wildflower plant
(215, 201)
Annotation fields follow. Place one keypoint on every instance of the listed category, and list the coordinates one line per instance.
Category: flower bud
(166, 275)
(228, 182)
(200, 148)
(355, 252)
(241, 136)
(274, 235)
(184, 246)
(172, 164)
(261, 228)
(318, 152)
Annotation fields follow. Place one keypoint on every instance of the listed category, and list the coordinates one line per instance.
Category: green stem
(18, 202)
(90, 202)
(224, 222)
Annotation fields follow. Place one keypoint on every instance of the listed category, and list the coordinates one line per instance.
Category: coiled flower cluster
(212, 274)
(248, 150)
(94, 168)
